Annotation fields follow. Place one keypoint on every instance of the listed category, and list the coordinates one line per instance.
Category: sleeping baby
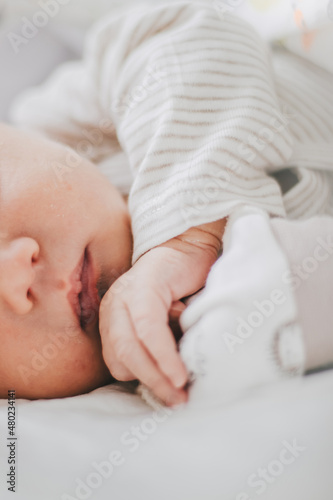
(117, 185)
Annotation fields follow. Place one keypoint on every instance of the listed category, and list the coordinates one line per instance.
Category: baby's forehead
(31, 157)
(17, 141)
(21, 149)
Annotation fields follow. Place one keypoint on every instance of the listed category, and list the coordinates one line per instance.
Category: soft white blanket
(240, 451)
(243, 330)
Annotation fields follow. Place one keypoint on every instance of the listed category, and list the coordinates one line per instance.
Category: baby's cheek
(86, 369)
(58, 367)
(78, 368)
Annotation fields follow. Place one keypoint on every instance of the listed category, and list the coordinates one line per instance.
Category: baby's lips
(89, 316)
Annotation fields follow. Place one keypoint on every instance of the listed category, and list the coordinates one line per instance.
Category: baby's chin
(71, 385)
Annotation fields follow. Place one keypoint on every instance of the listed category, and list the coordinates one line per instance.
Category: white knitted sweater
(189, 112)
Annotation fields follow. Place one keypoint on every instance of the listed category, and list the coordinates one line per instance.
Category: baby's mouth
(88, 297)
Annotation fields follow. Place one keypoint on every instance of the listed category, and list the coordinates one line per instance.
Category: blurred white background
(37, 35)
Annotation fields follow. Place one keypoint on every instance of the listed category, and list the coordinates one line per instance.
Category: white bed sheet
(191, 455)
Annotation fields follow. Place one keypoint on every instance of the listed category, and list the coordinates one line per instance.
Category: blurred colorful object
(307, 34)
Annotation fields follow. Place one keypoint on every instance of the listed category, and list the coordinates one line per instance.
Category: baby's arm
(195, 110)
(197, 114)
(137, 341)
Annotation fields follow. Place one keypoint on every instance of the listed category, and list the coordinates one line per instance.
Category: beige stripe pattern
(204, 112)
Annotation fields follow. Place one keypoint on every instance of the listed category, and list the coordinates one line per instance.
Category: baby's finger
(152, 329)
(134, 356)
(112, 324)
(122, 350)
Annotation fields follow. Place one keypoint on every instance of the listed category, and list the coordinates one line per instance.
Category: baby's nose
(17, 273)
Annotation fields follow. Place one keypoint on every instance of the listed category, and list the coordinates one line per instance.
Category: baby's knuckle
(144, 332)
(142, 321)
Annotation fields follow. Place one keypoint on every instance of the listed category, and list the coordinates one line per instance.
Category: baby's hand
(136, 338)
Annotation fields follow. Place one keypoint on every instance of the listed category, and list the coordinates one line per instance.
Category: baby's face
(64, 230)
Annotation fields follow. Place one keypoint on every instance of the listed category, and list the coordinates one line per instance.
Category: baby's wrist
(206, 237)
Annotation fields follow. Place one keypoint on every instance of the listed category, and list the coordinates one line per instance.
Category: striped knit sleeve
(193, 100)
(306, 91)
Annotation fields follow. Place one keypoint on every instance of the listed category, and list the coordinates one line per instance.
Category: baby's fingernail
(177, 400)
(179, 381)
